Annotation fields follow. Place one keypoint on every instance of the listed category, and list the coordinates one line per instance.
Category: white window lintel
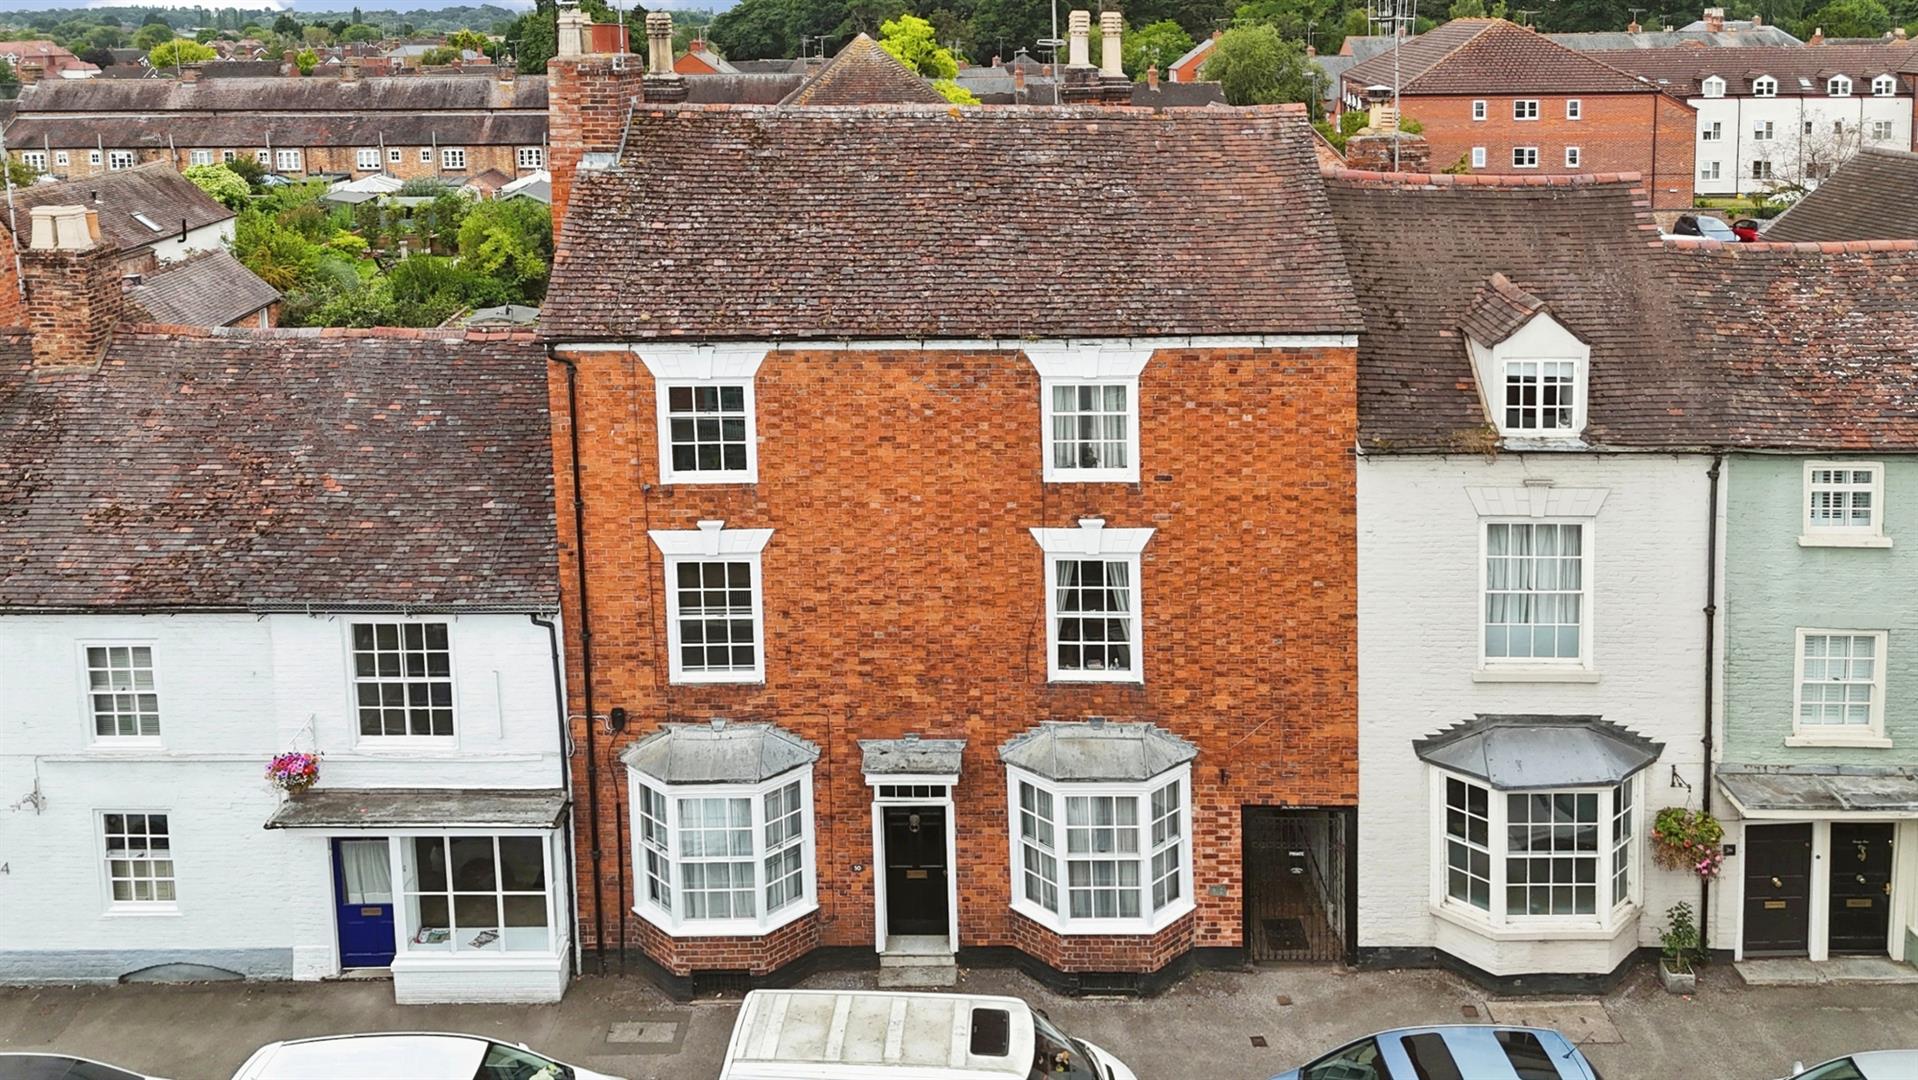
(1092, 538)
(1086, 360)
(686, 363)
(712, 538)
(1537, 500)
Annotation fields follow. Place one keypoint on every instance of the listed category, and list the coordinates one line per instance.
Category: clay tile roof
(912, 221)
(1584, 247)
(231, 469)
(1499, 310)
(154, 191)
(1869, 197)
(1468, 56)
(1683, 71)
(864, 74)
(209, 289)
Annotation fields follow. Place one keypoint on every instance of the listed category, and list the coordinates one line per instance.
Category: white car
(62, 1067)
(1871, 1065)
(405, 1056)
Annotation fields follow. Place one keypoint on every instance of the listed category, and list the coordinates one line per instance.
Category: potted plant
(1675, 968)
(293, 771)
(1688, 840)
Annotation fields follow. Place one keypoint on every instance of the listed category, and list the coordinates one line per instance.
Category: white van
(859, 1035)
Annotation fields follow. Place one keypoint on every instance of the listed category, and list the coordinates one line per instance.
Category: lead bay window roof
(1534, 752)
(718, 752)
(1097, 750)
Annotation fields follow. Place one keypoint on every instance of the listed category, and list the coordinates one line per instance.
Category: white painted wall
(1419, 605)
(234, 690)
(204, 238)
(1737, 116)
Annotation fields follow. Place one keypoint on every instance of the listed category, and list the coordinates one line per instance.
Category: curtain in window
(1533, 586)
(365, 872)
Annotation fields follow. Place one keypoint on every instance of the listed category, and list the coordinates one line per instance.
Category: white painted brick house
(1532, 579)
(223, 546)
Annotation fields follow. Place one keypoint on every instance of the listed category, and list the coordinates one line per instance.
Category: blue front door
(363, 890)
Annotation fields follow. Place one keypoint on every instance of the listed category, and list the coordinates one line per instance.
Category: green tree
(361, 32)
(1849, 18)
(247, 169)
(1158, 43)
(1255, 66)
(509, 240)
(221, 182)
(286, 26)
(151, 34)
(535, 39)
(439, 55)
(20, 174)
(306, 60)
(316, 36)
(955, 93)
(910, 40)
(468, 39)
(277, 255)
(179, 51)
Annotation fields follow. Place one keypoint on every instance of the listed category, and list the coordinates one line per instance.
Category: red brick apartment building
(925, 594)
(1496, 97)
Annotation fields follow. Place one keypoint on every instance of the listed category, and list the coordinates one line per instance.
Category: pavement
(1215, 1025)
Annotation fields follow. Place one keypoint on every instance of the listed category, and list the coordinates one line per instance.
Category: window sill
(1841, 540)
(709, 478)
(702, 678)
(155, 911)
(1069, 677)
(381, 745)
(1578, 929)
(1144, 927)
(1534, 675)
(126, 744)
(1840, 739)
(717, 928)
(1091, 476)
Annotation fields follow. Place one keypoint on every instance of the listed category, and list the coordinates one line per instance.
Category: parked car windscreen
(503, 1062)
(1056, 1054)
(1527, 1055)
(1359, 1061)
(1842, 1069)
(55, 1067)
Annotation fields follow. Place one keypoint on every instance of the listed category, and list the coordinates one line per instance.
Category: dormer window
(1538, 395)
(1838, 86)
(1714, 87)
(1884, 86)
(1764, 86)
(1531, 369)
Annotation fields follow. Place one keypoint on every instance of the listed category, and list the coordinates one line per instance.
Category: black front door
(1860, 887)
(1777, 889)
(916, 870)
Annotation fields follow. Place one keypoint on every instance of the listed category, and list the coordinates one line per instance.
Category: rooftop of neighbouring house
(397, 94)
(1870, 197)
(211, 288)
(1468, 56)
(921, 221)
(168, 202)
(1799, 70)
(223, 469)
(864, 74)
(1694, 35)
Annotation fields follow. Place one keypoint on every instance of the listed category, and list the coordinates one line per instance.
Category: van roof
(924, 1035)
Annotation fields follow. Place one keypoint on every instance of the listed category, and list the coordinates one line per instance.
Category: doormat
(1284, 933)
(1582, 1020)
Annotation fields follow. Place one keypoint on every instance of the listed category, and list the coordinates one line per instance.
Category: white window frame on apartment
(530, 157)
(1838, 86)
(703, 367)
(119, 710)
(1514, 371)
(1093, 542)
(120, 160)
(229, 155)
(170, 879)
(1478, 110)
(93, 158)
(1524, 157)
(452, 157)
(264, 157)
(61, 159)
(405, 679)
(1713, 132)
(1763, 131)
(1573, 157)
(405, 878)
(712, 542)
(1574, 109)
(200, 157)
(1062, 366)
(1841, 492)
(289, 159)
(395, 155)
(367, 157)
(426, 155)
(1870, 734)
(1478, 157)
(1881, 131)
(1525, 109)
(1712, 87)
(1574, 665)
(1028, 829)
(34, 159)
(650, 847)
(1884, 86)
(1764, 86)
(1761, 169)
(1618, 814)
(1709, 170)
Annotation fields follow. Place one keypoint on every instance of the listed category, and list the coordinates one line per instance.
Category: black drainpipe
(1711, 620)
(585, 653)
(565, 777)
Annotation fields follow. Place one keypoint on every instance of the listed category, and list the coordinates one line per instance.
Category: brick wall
(13, 309)
(903, 594)
(1616, 133)
(316, 159)
(74, 300)
(586, 101)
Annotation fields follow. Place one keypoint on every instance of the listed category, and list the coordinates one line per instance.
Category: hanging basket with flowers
(294, 771)
(1691, 840)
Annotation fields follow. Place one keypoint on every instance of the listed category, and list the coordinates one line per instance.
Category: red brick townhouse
(922, 595)
(1496, 97)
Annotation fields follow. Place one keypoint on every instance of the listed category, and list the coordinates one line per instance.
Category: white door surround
(913, 790)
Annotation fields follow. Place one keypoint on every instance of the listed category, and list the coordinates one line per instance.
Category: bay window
(1108, 858)
(1563, 855)
(718, 860)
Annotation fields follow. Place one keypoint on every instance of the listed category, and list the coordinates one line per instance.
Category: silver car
(1871, 1065)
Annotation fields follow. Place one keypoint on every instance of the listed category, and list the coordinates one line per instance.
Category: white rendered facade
(1791, 133)
(230, 691)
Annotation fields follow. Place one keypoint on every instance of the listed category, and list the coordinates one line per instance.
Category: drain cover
(643, 1031)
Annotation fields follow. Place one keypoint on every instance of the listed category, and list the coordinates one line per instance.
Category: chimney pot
(1757, 20)
(64, 228)
(1715, 19)
(73, 286)
(1018, 80)
(1079, 39)
(570, 23)
(1152, 77)
(659, 43)
(1817, 36)
(1633, 27)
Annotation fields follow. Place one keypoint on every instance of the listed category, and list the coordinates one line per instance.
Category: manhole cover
(643, 1031)
(1580, 1020)
(1284, 933)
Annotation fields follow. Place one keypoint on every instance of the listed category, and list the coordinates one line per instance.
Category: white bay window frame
(1609, 846)
(653, 852)
(1177, 845)
(1835, 483)
(699, 367)
(712, 542)
(1093, 542)
(1066, 366)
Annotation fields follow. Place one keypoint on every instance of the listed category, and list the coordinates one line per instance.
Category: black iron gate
(1301, 884)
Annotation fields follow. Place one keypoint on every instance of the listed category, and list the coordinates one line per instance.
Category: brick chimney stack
(659, 43)
(74, 296)
(1633, 27)
(1817, 36)
(1152, 77)
(1715, 20)
(588, 98)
